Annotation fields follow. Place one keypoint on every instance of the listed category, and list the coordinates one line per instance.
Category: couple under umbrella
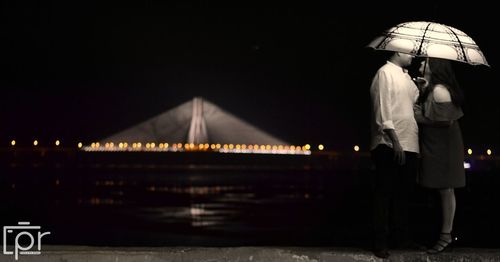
(398, 141)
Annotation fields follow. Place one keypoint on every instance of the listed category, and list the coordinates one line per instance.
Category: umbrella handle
(421, 82)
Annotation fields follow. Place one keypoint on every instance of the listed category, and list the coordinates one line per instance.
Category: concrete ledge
(253, 254)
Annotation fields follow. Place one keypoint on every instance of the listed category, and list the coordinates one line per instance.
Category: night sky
(81, 71)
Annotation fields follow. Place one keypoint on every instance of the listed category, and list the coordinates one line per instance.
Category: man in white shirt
(394, 148)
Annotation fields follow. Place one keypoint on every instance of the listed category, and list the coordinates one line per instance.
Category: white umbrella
(429, 39)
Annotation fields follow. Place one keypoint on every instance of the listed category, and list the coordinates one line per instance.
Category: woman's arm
(421, 119)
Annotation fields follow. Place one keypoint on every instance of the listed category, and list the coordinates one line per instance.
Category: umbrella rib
(461, 46)
(388, 33)
(423, 37)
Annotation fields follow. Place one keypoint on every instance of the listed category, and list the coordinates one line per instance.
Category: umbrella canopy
(429, 39)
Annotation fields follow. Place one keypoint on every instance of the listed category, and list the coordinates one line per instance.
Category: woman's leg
(448, 206)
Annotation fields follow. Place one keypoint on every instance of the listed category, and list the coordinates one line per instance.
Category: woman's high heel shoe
(444, 242)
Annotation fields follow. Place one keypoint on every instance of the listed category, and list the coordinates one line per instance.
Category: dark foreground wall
(254, 254)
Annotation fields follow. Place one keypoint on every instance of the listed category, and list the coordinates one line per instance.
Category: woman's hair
(442, 73)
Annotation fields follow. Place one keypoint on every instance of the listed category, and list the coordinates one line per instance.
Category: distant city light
(58, 142)
(321, 147)
(469, 151)
(356, 148)
(488, 152)
(13, 142)
(80, 144)
(307, 147)
(35, 143)
(466, 165)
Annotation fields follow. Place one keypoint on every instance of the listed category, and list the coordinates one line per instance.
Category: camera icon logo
(24, 240)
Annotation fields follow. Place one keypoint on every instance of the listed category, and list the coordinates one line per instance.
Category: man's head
(401, 59)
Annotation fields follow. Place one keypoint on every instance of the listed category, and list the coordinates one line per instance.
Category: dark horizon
(81, 72)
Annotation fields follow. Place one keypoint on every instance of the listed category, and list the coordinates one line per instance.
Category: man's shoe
(381, 253)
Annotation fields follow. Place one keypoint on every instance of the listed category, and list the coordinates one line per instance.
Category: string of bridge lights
(180, 147)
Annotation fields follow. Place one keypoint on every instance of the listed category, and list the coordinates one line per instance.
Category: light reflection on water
(242, 202)
(198, 190)
(207, 206)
